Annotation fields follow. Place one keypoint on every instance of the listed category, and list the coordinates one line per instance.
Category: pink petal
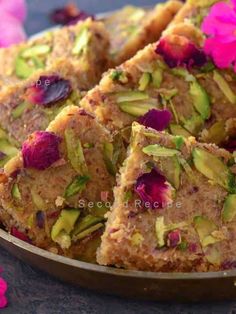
(16, 8)
(222, 54)
(3, 286)
(3, 301)
(221, 21)
(11, 30)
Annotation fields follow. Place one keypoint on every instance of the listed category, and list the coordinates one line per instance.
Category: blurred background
(38, 10)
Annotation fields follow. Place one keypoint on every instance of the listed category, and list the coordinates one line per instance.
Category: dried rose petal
(156, 119)
(40, 219)
(2, 155)
(230, 145)
(48, 90)
(228, 265)
(41, 150)
(192, 247)
(19, 235)
(179, 51)
(70, 14)
(174, 238)
(153, 189)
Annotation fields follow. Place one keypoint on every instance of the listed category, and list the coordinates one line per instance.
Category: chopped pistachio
(179, 141)
(229, 209)
(201, 100)
(65, 223)
(38, 50)
(215, 134)
(172, 170)
(159, 151)
(22, 69)
(224, 87)
(76, 186)
(19, 110)
(160, 231)
(85, 223)
(130, 96)
(119, 75)
(144, 81)
(38, 200)
(137, 239)
(88, 231)
(108, 151)
(213, 168)
(157, 77)
(75, 152)
(135, 108)
(15, 192)
(194, 124)
(82, 41)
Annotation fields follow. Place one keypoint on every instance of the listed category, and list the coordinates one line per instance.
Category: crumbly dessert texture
(174, 206)
(85, 44)
(200, 97)
(132, 28)
(194, 12)
(54, 191)
(30, 105)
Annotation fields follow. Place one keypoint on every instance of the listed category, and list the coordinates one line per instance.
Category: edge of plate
(109, 270)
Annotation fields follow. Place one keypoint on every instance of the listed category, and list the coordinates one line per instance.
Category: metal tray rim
(110, 270)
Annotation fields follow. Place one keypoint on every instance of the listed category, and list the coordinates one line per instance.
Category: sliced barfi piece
(30, 105)
(174, 207)
(173, 74)
(55, 191)
(86, 45)
(132, 28)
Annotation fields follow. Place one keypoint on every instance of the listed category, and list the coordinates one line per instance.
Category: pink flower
(13, 13)
(179, 51)
(41, 150)
(153, 190)
(157, 119)
(220, 26)
(19, 235)
(3, 289)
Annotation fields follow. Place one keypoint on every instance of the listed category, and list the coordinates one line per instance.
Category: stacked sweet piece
(172, 103)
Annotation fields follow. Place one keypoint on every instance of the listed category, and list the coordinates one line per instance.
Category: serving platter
(183, 287)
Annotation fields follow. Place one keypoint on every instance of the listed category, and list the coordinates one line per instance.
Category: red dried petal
(48, 90)
(179, 51)
(157, 119)
(41, 150)
(20, 235)
(69, 14)
(174, 238)
(153, 190)
(230, 145)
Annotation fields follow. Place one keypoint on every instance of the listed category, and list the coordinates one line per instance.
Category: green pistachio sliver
(82, 41)
(157, 77)
(86, 222)
(137, 239)
(224, 87)
(144, 81)
(119, 75)
(87, 232)
(75, 152)
(136, 108)
(19, 110)
(182, 72)
(201, 100)
(168, 94)
(108, 150)
(22, 69)
(187, 168)
(76, 186)
(15, 192)
(38, 50)
(159, 151)
(229, 209)
(129, 96)
(38, 200)
(64, 225)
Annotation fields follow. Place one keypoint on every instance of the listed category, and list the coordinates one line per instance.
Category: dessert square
(174, 208)
(55, 192)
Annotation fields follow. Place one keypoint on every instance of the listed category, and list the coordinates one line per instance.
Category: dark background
(32, 292)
